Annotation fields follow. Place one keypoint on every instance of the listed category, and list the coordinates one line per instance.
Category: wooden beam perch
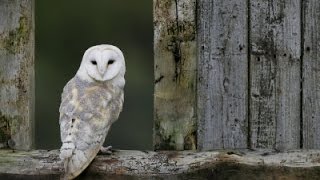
(242, 164)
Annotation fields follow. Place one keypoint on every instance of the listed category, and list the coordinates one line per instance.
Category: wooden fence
(237, 74)
(229, 74)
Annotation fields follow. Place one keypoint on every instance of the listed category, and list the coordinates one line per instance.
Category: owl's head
(102, 63)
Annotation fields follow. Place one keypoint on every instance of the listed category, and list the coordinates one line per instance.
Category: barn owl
(91, 101)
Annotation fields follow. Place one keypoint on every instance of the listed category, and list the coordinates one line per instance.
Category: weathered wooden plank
(244, 164)
(311, 74)
(222, 74)
(16, 73)
(275, 39)
(175, 72)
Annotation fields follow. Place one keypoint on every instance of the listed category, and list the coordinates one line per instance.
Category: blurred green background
(64, 30)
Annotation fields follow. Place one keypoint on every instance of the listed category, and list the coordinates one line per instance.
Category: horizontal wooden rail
(242, 164)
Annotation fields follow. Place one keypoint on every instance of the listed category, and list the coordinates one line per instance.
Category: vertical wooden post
(311, 75)
(16, 73)
(175, 73)
(275, 64)
(222, 74)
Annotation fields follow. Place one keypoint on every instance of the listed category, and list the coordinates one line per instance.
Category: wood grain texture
(275, 37)
(243, 164)
(16, 73)
(311, 75)
(175, 72)
(222, 92)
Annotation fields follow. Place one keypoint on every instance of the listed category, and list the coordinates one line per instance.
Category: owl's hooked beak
(102, 70)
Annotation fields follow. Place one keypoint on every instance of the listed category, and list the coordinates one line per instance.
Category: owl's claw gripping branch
(106, 150)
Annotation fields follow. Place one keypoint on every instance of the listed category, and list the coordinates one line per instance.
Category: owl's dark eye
(110, 62)
(94, 62)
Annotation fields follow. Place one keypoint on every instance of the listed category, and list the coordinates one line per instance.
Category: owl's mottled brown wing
(86, 114)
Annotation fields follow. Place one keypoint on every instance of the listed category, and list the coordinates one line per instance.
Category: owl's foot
(106, 150)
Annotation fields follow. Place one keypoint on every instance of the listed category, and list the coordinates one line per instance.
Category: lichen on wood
(16, 73)
(19, 36)
(175, 73)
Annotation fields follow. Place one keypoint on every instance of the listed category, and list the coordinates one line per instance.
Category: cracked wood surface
(275, 73)
(222, 91)
(240, 164)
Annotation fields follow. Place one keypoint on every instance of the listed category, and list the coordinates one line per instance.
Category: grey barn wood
(251, 72)
(222, 74)
(311, 75)
(275, 50)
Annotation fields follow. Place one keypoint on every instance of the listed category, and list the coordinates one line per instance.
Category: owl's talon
(106, 150)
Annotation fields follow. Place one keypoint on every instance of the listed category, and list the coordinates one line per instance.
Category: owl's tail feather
(66, 151)
(66, 175)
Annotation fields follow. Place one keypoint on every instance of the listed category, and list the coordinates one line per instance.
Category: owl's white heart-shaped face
(102, 63)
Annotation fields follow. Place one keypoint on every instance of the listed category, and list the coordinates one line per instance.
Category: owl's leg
(106, 150)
